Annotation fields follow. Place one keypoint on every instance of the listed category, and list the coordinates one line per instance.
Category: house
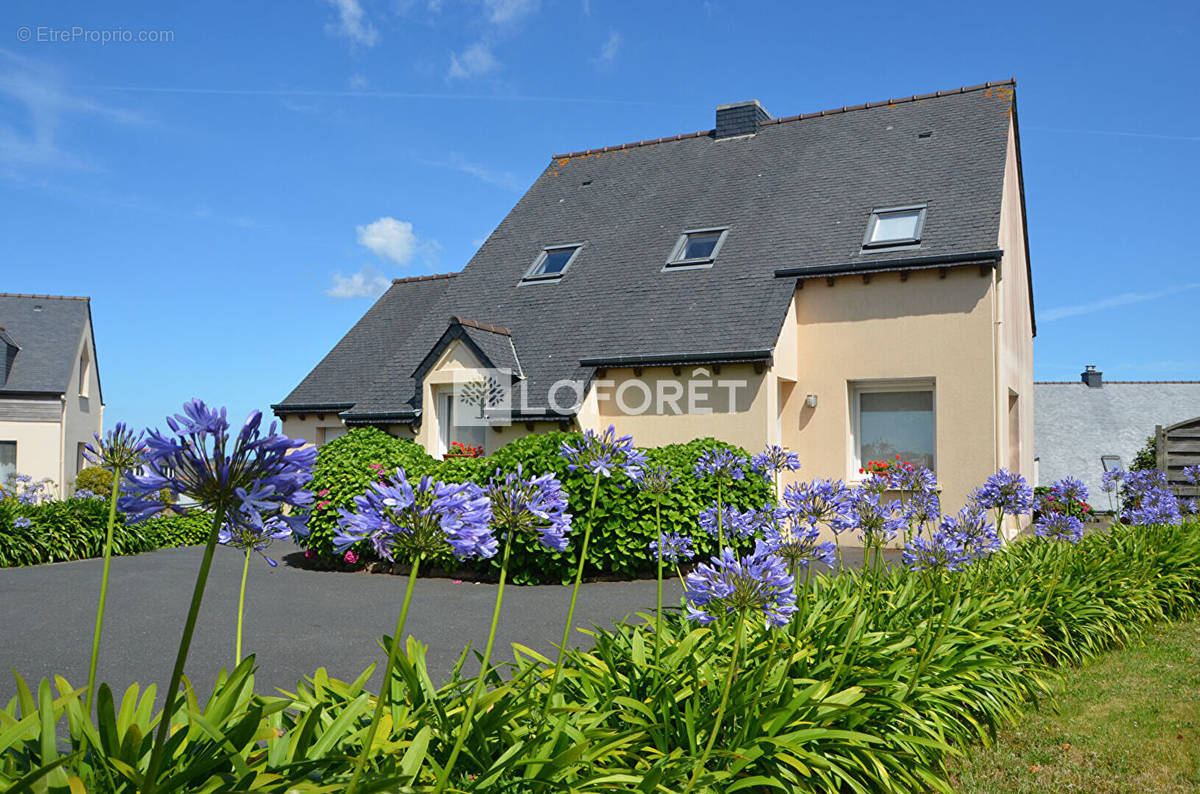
(50, 397)
(1083, 427)
(852, 284)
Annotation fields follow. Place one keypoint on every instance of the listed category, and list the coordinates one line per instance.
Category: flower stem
(108, 536)
(185, 644)
(720, 527)
(385, 687)
(562, 647)
(658, 612)
(237, 652)
(712, 737)
(465, 727)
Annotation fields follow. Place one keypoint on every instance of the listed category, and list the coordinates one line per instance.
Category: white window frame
(855, 388)
(85, 371)
(532, 275)
(675, 262)
(444, 404)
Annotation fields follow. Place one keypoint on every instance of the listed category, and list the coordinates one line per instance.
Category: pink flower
(376, 466)
(309, 554)
(323, 492)
(458, 581)
(323, 505)
(351, 557)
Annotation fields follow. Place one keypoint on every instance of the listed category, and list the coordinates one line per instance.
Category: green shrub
(624, 519)
(74, 529)
(343, 471)
(95, 479)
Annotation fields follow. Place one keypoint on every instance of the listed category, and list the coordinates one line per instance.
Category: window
(894, 418)
(1111, 462)
(327, 434)
(8, 460)
(552, 262)
(895, 226)
(85, 372)
(697, 248)
(460, 419)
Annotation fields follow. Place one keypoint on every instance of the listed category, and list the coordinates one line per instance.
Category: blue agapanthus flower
(531, 506)
(84, 493)
(876, 521)
(798, 545)
(1059, 526)
(603, 453)
(252, 478)
(758, 582)
(773, 460)
(674, 546)
(658, 479)
(247, 537)
(1071, 489)
(915, 479)
(1192, 475)
(120, 449)
(975, 534)
(734, 523)
(1110, 480)
(430, 519)
(815, 503)
(720, 463)
(941, 551)
(1006, 492)
(921, 507)
(21, 522)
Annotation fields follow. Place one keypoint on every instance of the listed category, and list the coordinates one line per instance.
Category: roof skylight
(895, 226)
(697, 248)
(552, 262)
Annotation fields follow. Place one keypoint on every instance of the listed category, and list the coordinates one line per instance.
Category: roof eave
(927, 262)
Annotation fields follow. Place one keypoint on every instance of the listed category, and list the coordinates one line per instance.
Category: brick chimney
(1091, 377)
(740, 118)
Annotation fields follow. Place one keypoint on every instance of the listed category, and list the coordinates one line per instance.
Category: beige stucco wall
(1014, 329)
(39, 446)
(83, 413)
(310, 426)
(735, 401)
(925, 328)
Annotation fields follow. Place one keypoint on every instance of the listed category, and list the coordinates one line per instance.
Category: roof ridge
(45, 297)
(495, 329)
(783, 119)
(430, 277)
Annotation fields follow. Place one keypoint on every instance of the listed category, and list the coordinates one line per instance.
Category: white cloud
(353, 23)
(390, 238)
(356, 82)
(608, 52)
(502, 11)
(1124, 299)
(475, 61)
(366, 283)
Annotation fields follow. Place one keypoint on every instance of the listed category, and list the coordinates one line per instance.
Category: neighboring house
(1082, 426)
(851, 284)
(50, 398)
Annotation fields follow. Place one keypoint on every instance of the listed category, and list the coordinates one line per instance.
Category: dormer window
(892, 226)
(552, 262)
(697, 248)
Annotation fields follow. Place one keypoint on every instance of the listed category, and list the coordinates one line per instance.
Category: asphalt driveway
(296, 620)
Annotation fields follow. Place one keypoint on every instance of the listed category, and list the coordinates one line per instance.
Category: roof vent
(1091, 377)
(740, 118)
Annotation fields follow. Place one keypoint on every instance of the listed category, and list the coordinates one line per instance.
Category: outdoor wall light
(811, 401)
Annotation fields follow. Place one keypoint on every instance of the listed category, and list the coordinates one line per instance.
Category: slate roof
(1074, 425)
(47, 330)
(798, 193)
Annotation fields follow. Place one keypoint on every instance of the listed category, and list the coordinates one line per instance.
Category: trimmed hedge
(74, 529)
(624, 519)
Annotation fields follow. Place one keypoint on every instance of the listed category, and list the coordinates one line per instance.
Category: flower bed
(769, 679)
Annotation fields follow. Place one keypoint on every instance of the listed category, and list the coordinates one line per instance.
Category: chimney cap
(1092, 377)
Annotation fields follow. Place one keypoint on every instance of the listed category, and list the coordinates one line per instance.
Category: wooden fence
(1178, 446)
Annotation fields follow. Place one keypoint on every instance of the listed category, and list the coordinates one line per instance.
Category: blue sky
(229, 197)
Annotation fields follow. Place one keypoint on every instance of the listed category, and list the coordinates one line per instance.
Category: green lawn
(1129, 723)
